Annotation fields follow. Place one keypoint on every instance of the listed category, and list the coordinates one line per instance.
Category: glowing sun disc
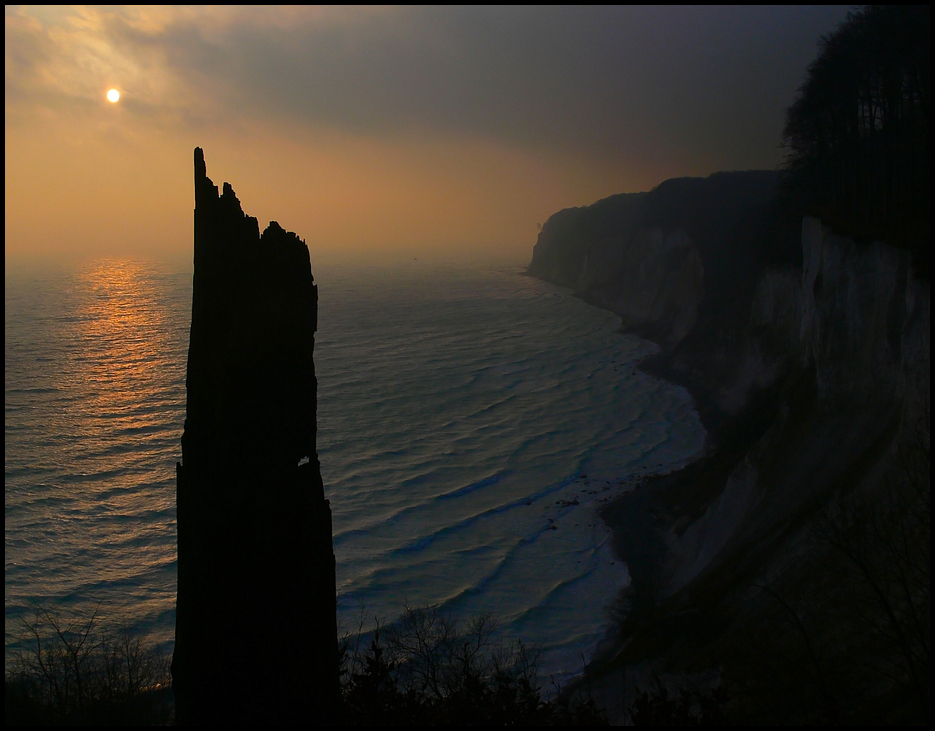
(113, 95)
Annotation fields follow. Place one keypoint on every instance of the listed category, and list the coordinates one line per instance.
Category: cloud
(429, 128)
(626, 83)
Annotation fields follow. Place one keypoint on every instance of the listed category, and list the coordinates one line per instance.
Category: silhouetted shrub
(846, 637)
(686, 708)
(428, 669)
(84, 672)
(880, 555)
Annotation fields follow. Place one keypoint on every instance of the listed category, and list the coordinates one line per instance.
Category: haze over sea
(470, 422)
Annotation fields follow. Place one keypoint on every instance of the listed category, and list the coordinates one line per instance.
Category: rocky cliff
(680, 265)
(809, 358)
(851, 331)
(256, 637)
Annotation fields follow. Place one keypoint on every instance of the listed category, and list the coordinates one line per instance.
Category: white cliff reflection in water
(469, 422)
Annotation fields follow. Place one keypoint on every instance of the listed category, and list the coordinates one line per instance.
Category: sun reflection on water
(90, 492)
(123, 333)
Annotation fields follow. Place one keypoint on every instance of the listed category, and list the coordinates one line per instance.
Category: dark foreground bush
(77, 673)
(427, 669)
(659, 707)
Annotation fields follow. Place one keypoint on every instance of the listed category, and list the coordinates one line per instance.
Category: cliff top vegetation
(858, 135)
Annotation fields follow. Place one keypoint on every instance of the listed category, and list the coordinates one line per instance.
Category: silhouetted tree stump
(256, 635)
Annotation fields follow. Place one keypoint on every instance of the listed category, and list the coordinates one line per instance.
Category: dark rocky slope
(809, 358)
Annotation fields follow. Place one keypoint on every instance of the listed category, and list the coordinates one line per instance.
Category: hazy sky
(404, 131)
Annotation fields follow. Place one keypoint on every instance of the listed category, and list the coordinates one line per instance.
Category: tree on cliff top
(858, 134)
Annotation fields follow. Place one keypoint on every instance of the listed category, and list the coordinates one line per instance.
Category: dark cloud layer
(594, 80)
(612, 82)
(448, 126)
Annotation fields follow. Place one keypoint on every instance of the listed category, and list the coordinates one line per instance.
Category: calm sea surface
(470, 422)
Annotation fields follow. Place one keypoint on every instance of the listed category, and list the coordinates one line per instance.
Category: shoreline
(640, 521)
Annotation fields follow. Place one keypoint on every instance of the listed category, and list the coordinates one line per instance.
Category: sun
(113, 95)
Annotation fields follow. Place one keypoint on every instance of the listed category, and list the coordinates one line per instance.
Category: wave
(459, 412)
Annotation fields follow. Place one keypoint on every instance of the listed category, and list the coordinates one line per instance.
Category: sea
(471, 422)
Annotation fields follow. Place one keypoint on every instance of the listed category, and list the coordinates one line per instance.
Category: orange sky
(391, 132)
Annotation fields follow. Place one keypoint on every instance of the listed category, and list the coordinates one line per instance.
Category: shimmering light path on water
(470, 421)
(94, 400)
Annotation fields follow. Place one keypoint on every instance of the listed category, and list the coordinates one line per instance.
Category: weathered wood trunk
(256, 636)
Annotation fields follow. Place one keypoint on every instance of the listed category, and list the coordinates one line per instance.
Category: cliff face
(851, 328)
(680, 265)
(854, 329)
(256, 634)
(653, 278)
(811, 369)
(864, 320)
